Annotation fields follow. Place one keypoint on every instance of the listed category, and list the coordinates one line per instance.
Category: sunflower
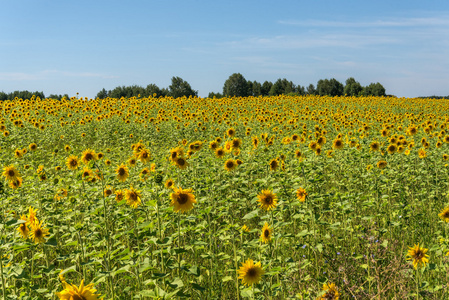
(88, 155)
(119, 195)
(337, 144)
(87, 174)
(132, 197)
(330, 292)
(418, 256)
(38, 232)
(72, 162)
(122, 172)
(267, 199)
(144, 156)
(298, 154)
(23, 228)
(230, 132)
(10, 173)
(182, 200)
(422, 153)
(60, 194)
(444, 214)
(213, 145)
(392, 148)
(169, 183)
(220, 152)
(181, 163)
(250, 273)
(31, 215)
(236, 143)
(18, 153)
(255, 141)
(15, 184)
(445, 156)
(381, 164)
(72, 292)
(230, 164)
(33, 146)
(374, 146)
(67, 148)
(274, 164)
(301, 194)
(108, 191)
(265, 235)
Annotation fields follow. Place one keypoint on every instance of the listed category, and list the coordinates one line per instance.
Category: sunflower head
(267, 199)
(265, 235)
(301, 194)
(182, 200)
(418, 256)
(250, 272)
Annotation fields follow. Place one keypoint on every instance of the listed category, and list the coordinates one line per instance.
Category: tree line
(235, 85)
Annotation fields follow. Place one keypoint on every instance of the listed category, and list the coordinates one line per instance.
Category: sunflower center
(181, 162)
(252, 272)
(268, 199)
(183, 198)
(266, 233)
(73, 163)
(419, 255)
(144, 155)
(229, 164)
(38, 233)
(133, 196)
(77, 297)
(11, 173)
(88, 156)
(121, 171)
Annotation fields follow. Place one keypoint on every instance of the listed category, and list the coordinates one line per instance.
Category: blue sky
(83, 46)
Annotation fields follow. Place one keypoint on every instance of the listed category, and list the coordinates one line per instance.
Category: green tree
(216, 95)
(102, 94)
(311, 90)
(236, 85)
(374, 89)
(352, 87)
(254, 88)
(330, 87)
(282, 86)
(266, 87)
(180, 87)
(153, 89)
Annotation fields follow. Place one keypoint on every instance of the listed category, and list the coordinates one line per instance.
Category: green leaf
(251, 215)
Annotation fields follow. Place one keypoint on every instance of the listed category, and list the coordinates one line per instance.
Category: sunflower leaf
(251, 215)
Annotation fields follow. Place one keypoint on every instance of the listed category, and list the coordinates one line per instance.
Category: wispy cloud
(48, 74)
(399, 22)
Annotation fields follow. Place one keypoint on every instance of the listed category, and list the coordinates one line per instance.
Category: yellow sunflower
(301, 194)
(265, 235)
(230, 164)
(444, 214)
(330, 292)
(38, 232)
(418, 256)
(182, 200)
(381, 164)
(422, 153)
(72, 162)
(220, 152)
(88, 155)
(250, 273)
(122, 172)
(181, 163)
(132, 197)
(169, 183)
(23, 228)
(10, 173)
(337, 144)
(274, 164)
(72, 292)
(267, 200)
(119, 195)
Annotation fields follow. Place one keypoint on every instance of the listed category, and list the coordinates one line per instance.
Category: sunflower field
(286, 197)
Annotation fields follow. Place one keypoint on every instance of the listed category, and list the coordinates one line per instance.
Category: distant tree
(216, 95)
(282, 86)
(300, 90)
(3, 96)
(102, 94)
(311, 90)
(236, 85)
(254, 88)
(266, 87)
(352, 87)
(180, 87)
(374, 89)
(330, 87)
(154, 90)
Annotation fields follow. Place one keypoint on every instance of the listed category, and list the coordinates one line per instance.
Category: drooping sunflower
(230, 164)
(301, 194)
(330, 292)
(274, 164)
(122, 172)
(265, 235)
(144, 156)
(444, 214)
(88, 155)
(250, 273)
(182, 200)
(38, 232)
(72, 162)
(72, 292)
(132, 197)
(267, 199)
(23, 228)
(15, 184)
(418, 255)
(381, 164)
(10, 173)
